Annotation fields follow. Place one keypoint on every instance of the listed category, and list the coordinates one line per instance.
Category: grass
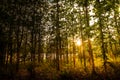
(47, 71)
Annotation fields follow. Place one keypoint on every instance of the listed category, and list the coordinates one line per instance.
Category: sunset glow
(78, 42)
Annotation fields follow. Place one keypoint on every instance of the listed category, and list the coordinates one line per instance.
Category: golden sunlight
(78, 42)
(119, 9)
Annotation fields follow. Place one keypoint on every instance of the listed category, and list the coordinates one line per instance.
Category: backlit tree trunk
(101, 35)
(88, 34)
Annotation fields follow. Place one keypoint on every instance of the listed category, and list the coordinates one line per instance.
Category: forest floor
(45, 72)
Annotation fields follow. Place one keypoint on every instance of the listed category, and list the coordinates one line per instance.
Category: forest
(59, 39)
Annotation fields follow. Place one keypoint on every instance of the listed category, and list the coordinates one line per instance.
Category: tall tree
(88, 35)
(100, 22)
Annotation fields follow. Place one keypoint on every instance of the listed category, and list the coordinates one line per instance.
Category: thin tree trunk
(82, 56)
(89, 42)
(110, 43)
(57, 37)
(74, 61)
(25, 52)
(39, 48)
(117, 27)
(10, 44)
(102, 37)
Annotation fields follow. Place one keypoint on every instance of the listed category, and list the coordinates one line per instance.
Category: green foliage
(36, 36)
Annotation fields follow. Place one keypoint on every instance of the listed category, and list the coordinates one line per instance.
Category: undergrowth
(47, 72)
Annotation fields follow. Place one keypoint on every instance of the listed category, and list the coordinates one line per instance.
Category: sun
(119, 9)
(78, 42)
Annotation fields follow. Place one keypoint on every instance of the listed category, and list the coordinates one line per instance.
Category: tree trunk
(102, 36)
(57, 37)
